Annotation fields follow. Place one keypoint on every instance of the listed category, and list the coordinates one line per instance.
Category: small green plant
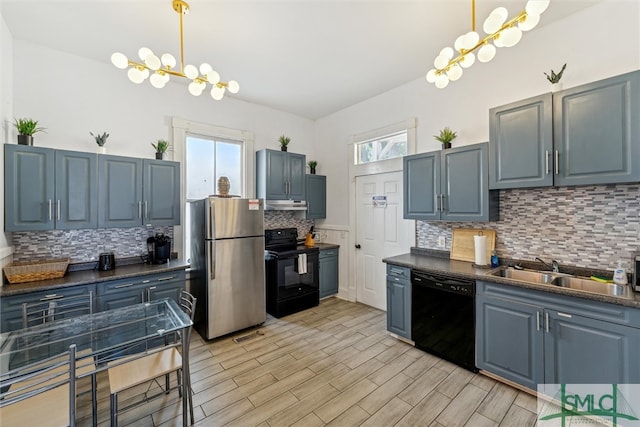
(161, 146)
(100, 139)
(312, 164)
(555, 78)
(284, 140)
(27, 126)
(446, 136)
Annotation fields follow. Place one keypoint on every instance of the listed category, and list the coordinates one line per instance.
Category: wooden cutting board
(462, 246)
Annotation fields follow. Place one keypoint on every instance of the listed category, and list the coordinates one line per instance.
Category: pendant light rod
(473, 15)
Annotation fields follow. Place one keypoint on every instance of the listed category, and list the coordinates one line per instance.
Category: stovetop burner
(284, 241)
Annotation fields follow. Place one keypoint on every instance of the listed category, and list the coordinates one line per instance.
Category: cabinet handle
(537, 320)
(162, 279)
(568, 316)
(149, 293)
(51, 296)
(124, 286)
(50, 212)
(546, 161)
(140, 209)
(58, 210)
(444, 206)
(146, 210)
(556, 162)
(546, 319)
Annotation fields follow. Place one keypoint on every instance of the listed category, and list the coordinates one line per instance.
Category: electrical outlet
(442, 242)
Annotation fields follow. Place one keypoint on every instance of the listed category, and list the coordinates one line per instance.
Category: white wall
(596, 43)
(6, 118)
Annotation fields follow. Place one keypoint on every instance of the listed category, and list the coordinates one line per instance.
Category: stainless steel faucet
(555, 267)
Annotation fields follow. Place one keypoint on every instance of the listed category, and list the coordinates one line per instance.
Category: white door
(380, 233)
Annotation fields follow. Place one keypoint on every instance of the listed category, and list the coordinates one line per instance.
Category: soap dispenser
(619, 275)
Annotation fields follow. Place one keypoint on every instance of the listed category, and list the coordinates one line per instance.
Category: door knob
(358, 246)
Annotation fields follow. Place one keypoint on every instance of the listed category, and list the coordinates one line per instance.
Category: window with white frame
(381, 148)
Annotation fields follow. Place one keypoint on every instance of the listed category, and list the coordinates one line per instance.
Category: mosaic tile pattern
(285, 219)
(591, 226)
(83, 245)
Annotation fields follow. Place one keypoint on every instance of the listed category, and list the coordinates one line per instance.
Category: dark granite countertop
(83, 277)
(466, 270)
(326, 246)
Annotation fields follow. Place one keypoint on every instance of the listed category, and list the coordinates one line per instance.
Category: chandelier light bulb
(492, 24)
(440, 62)
(157, 81)
(166, 78)
(153, 62)
(213, 77)
(459, 43)
(168, 60)
(431, 76)
(501, 13)
(135, 75)
(205, 68)
(119, 60)
(498, 41)
(442, 81)
(471, 39)
(196, 88)
(536, 7)
(447, 53)
(217, 92)
(143, 52)
(486, 52)
(145, 74)
(455, 72)
(234, 87)
(529, 23)
(511, 36)
(468, 60)
(191, 72)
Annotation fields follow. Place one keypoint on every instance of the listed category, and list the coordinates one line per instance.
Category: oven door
(290, 282)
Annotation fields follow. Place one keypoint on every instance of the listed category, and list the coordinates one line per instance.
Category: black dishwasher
(442, 317)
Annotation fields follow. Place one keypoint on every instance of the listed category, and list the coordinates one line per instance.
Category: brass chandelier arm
(519, 17)
(140, 66)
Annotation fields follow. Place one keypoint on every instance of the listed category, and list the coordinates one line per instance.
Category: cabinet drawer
(118, 286)
(394, 271)
(15, 302)
(327, 253)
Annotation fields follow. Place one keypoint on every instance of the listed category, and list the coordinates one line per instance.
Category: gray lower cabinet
(531, 337)
(449, 185)
(399, 300)
(280, 175)
(11, 313)
(585, 135)
(134, 290)
(316, 195)
(48, 189)
(328, 263)
(136, 192)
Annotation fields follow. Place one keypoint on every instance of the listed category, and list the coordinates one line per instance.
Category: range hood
(285, 205)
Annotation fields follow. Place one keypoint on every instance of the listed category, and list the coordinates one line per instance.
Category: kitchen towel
(302, 264)
(480, 247)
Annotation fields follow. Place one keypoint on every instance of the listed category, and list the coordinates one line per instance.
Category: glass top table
(103, 336)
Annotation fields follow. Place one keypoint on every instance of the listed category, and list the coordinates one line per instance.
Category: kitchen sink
(561, 280)
(589, 286)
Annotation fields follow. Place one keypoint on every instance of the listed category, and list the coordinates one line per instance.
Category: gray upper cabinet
(585, 135)
(135, 192)
(49, 189)
(449, 185)
(521, 143)
(280, 175)
(161, 191)
(596, 131)
(316, 196)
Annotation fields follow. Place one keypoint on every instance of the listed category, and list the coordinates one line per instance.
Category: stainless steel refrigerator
(227, 264)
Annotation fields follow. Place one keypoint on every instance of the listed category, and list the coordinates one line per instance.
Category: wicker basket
(31, 271)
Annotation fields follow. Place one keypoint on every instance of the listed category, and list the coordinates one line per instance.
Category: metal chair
(42, 393)
(136, 370)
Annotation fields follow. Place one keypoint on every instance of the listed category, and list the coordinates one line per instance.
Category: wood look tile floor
(333, 365)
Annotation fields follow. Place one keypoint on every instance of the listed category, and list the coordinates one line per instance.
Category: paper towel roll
(480, 246)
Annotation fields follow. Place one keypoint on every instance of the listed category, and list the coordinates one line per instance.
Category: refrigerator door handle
(211, 259)
(210, 220)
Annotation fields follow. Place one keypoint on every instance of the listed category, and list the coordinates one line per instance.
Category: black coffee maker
(159, 248)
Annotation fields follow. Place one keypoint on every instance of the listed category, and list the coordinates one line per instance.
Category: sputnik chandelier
(500, 33)
(161, 68)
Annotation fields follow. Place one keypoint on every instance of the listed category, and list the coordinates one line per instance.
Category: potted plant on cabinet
(312, 166)
(284, 141)
(26, 128)
(554, 79)
(161, 146)
(101, 140)
(445, 137)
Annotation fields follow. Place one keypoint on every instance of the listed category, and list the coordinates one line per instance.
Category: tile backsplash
(288, 219)
(83, 245)
(591, 226)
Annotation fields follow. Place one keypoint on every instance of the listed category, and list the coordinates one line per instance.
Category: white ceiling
(310, 58)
